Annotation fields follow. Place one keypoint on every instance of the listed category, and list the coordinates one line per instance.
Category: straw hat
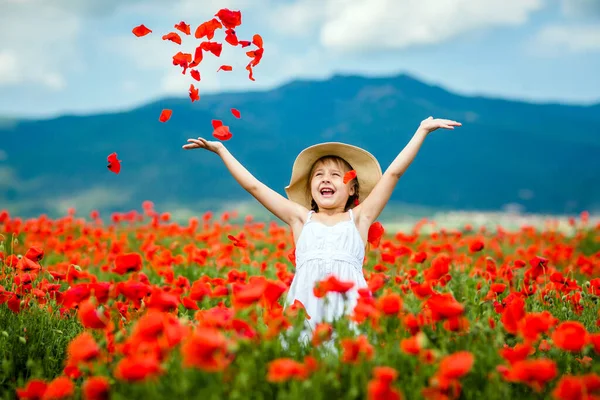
(368, 171)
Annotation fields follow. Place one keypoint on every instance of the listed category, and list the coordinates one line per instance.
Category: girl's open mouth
(327, 192)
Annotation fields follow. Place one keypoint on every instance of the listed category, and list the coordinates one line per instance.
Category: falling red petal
(250, 72)
(165, 115)
(231, 37)
(198, 56)
(216, 123)
(236, 113)
(213, 47)
(245, 43)
(141, 30)
(183, 60)
(114, 164)
(257, 56)
(195, 74)
(222, 133)
(258, 41)
(183, 27)
(225, 68)
(230, 19)
(173, 37)
(208, 29)
(194, 96)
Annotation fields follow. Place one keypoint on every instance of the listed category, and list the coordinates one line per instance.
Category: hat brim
(368, 170)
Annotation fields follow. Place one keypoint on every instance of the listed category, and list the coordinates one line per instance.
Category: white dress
(321, 251)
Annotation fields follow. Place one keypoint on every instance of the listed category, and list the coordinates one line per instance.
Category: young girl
(329, 219)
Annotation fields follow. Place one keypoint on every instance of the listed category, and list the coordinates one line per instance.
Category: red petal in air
(244, 43)
(141, 30)
(173, 37)
(257, 56)
(208, 29)
(236, 113)
(183, 60)
(216, 123)
(198, 56)
(225, 68)
(231, 37)
(213, 47)
(114, 164)
(222, 133)
(250, 73)
(194, 96)
(230, 19)
(165, 115)
(183, 27)
(258, 41)
(195, 74)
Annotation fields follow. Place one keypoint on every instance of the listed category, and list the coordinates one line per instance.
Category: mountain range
(539, 158)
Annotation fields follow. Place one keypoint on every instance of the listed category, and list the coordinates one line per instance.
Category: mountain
(543, 157)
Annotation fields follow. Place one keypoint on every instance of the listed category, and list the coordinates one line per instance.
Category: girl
(329, 219)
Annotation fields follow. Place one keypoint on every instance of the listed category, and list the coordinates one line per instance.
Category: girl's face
(327, 186)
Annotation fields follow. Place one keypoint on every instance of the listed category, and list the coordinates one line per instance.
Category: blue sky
(79, 56)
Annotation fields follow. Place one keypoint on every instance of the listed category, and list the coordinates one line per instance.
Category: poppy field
(139, 306)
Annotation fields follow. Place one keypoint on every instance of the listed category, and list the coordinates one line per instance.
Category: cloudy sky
(79, 56)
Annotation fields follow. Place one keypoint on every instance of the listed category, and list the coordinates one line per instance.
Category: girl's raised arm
(370, 208)
(283, 208)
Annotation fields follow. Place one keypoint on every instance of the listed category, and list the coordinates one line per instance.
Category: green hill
(544, 157)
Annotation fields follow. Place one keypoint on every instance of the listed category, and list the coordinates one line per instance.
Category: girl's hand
(429, 125)
(201, 143)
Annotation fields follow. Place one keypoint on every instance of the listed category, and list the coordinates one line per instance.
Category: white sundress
(321, 251)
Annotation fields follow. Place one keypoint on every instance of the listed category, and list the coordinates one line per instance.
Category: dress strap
(351, 215)
(310, 213)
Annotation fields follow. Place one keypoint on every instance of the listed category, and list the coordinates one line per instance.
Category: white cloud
(13, 73)
(191, 8)
(557, 40)
(581, 8)
(377, 24)
(299, 19)
(9, 68)
(40, 39)
(87, 8)
(173, 83)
